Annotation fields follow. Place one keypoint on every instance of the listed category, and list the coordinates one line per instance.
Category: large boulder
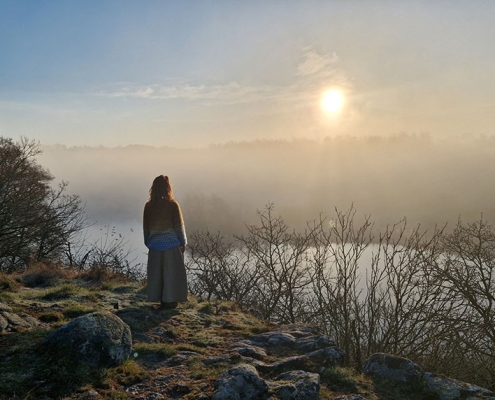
(452, 389)
(241, 382)
(99, 339)
(390, 367)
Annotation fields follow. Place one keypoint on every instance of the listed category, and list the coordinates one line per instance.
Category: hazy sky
(189, 73)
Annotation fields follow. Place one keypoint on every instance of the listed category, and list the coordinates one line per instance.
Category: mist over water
(220, 187)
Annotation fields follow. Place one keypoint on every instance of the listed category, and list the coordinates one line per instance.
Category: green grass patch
(129, 373)
(207, 309)
(139, 319)
(163, 350)
(340, 379)
(63, 292)
(76, 310)
(51, 316)
(9, 283)
(27, 370)
(189, 347)
(6, 297)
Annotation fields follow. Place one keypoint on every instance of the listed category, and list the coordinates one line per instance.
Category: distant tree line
(428, 296)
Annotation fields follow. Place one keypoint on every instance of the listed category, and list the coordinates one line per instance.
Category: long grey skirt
(167, 279)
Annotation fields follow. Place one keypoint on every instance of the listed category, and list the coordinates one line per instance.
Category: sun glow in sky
(189, 73)
(332, 101)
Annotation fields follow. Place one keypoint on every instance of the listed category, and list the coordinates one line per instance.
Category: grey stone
(330, 356)
(14, 320)
(216, 360)
(97, 339)
(250, 351)
(5, 307)
(393, 368)
(142, 338)
(3, 323)
(307, 385)
(182, 357)
(241, 382)
(350, 397)
(274, 339)
(33, 322)
(450, 389)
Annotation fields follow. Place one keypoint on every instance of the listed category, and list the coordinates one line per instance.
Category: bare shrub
(279, 255)
(425, 295)
(467, 271)
(110, 252)
(219, 270)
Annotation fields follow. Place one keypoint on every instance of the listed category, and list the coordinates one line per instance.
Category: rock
(393, 368)
(142, 338)
(10, 321)
(15, 320)
(33, 322)
(450, 389)
(326, 357)
(5, 307)
(241, 382)
(247, 350)
(98, 339)
(274, 339)
(329, 356)
(350, 397)
(181, 357)
(301, 337)
(3, 323)
(216, 360)
(307, 385)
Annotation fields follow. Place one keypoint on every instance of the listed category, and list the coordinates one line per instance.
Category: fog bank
(220, 187)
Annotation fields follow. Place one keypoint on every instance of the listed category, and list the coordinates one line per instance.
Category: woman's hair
(161, 189)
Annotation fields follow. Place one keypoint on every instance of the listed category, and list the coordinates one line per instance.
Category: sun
(332, 101)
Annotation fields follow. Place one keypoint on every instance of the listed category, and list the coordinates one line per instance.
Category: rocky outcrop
(451, 389)
(10, 321)
(291, 382)
(390, 367)
(99, 339)
(404, 371)
(241, 382)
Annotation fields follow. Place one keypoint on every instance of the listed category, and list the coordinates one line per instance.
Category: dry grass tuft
(46, 274)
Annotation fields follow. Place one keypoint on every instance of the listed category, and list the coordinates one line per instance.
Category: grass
(25, 366)
(76, 310)
(164, 350)
(129, 373)
(9, 283)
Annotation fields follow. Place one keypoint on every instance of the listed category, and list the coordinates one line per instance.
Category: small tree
(36, 220)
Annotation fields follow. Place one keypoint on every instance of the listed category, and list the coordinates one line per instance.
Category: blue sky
(189, 73)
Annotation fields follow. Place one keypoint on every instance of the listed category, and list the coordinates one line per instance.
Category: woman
(165, 237)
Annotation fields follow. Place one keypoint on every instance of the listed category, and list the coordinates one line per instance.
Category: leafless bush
(219, 270)
(426, 295)
(110, 252)
(467, 271)
(279, 254)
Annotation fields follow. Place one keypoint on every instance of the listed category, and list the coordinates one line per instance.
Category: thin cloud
(315, 63)
(316, 70)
